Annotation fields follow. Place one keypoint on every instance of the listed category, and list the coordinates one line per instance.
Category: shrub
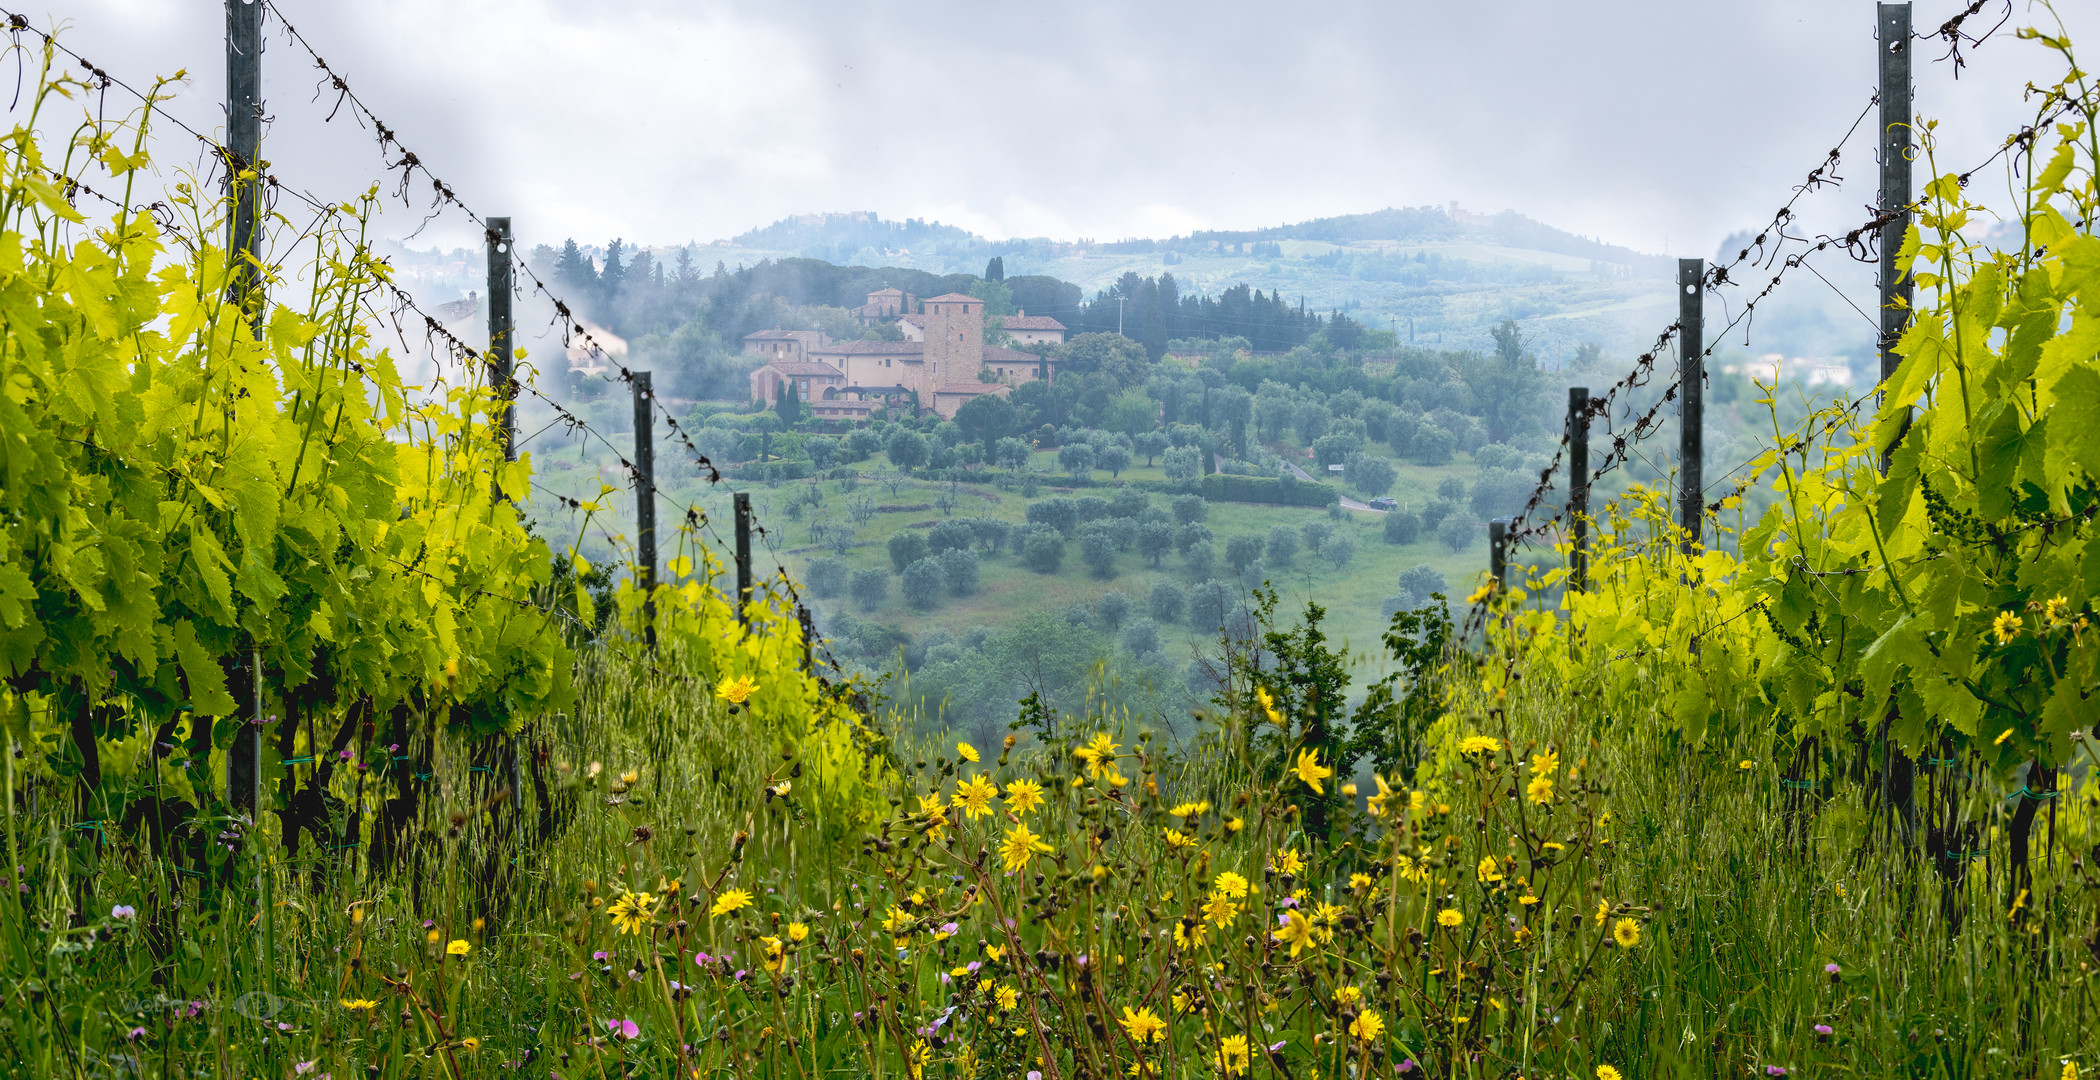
(1166, 601)
(1339, 550)
(821, 451)
(907, 448)
(1254, 574)
(1432, 445)
(1141, 638)
(1190, 535)
(1112, 459)
(959, 568)
(1059, 514)
(827, 576)
(1458, 532)
(1336, 447)
(1501, 492)
(906, 548)
(1201, 560)
(1184, 464)
(1369, 474)
(1434, 513)
(991, 533)
(1241, 550)
(1282, 546)
(1043, 550)
(922, 583)
(1112, 608)
(1097, 545)
(1089, 508)
(949, 535)
(1421, 579)
(1208, 603)
(1154, 540)
(1451, 488)
(1151, 444)
(1310, 420)
(1402, 527)
(1315, 535)
(1129, 502)
(1400, 429)
(1076, 458)
(870, 588)
(1189, 509)
(1374, 414)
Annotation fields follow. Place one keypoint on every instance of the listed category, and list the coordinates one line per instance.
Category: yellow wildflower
(899, 919)
(1626, 932)
(1287, 862)
(1547, 763)
(1479, 744)
(1008, 998)
(2006, 627)
(470, 1044)
(1143, 1026)
(1232, 1055)
(1268, 706)
(1539, 790)
(1489, 869)
(1450, 917)
(774, 953)
(798, 932)
(1296, 931)
(1349, 995)
(1359, 882)
(1020, 845)
(736, 691)
(1480, 594)
(2056, 610)
(1310, 770)
(966, 752)
(359, 1004)
(458, 947)
(1603, 911)
(631, 912)
(731, 900)
(1023, 796)
(1099, 754)
(1190, 809)
(1367, 1027)
(1375, 804)
(1606, 1072)
(1220, 910)
(1176, 839)
(975, 797)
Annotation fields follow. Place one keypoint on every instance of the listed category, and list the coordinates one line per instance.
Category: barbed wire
(445, 194)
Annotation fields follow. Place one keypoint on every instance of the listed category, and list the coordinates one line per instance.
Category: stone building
(943, 362)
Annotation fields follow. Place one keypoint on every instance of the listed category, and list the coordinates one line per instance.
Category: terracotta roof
(782, 335)
(803, 367)
(952, 298)
(888, 292)
(916, 320)
(1031, 322)
(873, 348)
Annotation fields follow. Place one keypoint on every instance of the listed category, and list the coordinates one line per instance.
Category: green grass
(1353, 596)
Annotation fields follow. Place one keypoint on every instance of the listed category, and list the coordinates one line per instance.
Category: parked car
(1384, 502)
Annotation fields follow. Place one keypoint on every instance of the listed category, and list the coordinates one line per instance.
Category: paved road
(1347, 502)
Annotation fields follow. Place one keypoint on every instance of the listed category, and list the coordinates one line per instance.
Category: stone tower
(954, 339)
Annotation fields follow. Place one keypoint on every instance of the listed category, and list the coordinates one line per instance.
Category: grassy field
(1353, 595)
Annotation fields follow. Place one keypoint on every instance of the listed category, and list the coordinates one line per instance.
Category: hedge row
(1226, 487)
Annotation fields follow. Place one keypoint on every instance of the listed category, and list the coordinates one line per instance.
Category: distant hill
(841, 236)
(824, 235)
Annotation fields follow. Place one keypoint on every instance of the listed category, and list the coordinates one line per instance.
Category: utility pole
(645, 498)
(244, 185)
(244, 160)
(1691, 383)
(1119, 316)
(502, 332)
(743, 556)
(1892, 22)
(1579, 485)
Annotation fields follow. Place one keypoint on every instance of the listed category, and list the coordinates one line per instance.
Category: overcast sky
(1660, 124)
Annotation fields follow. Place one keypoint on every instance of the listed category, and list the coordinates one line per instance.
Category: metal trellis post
(244, 179)
(1691, 384)
(743, 555)
(502, 333)
(1498, 551)
(1579, 485)
(1893, 24)
(645, 498)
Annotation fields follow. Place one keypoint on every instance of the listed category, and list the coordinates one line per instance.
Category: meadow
(324, 761)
